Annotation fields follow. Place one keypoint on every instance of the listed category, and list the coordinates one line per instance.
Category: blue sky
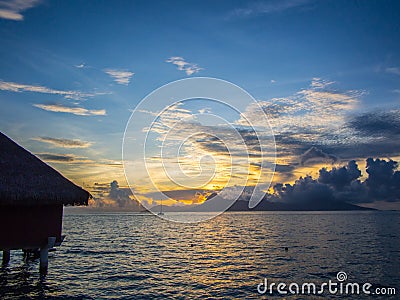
(73, 70)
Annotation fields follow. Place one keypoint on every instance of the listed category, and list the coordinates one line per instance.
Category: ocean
(233, 256)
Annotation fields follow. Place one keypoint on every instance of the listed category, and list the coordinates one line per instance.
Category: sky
(325, 73)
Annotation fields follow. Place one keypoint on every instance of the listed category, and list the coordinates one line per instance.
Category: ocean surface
(140, 256)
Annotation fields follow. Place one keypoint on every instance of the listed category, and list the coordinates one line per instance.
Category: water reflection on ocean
(143, 257)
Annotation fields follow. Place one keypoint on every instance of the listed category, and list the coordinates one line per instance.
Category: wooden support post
(51, 241)
(44, 255)
(44, 260)
(6, 257)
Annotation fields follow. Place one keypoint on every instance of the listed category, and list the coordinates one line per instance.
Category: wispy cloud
(260, 8)
(120, 76)
(19, 88)
(12, 9)
(65, 143)
(51, 157)
(81, 66)
(318, 83)
(152, 113)
(183, 65)
(63, 158)
(79, 111)
(393, 70)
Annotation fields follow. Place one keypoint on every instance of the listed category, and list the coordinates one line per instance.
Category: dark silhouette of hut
(32, 196)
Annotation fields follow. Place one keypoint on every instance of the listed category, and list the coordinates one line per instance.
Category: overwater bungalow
(32, 197)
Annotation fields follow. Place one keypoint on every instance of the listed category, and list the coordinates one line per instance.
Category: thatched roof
(26, 180)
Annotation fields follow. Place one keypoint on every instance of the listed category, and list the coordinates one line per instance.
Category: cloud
(383, 179)
(377, 123)
(316, 124)
(319, 83)
(284, 168)
(79, 111)
(12, 9)
(393, 70)
(19, 87)
(63, 158)
(310, 113)
(205, 110)
(151, 113)
(207, 150)
(340, 177)
(120, 76)
(178, 123)
(182, 65)
(120, 196)
(111, 195)
(191, 196)
(265, 8)
(314, 154)
(304, 190)
(65, 143)
(374, 133)
(51, 157)
(343, 184)
(315, 116)
(357, 136)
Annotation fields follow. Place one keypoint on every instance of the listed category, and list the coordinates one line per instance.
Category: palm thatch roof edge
(27, 180)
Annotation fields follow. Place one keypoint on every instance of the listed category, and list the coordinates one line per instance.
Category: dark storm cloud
(304, 190)
(383, 179)
(343, 184)
(340, 177)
